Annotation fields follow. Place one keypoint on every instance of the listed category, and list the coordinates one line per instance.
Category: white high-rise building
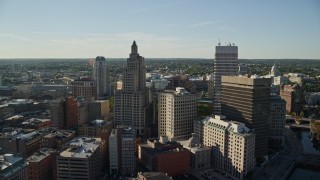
(233, 145)
(101, 76)
(225, 64)
(177, 111)
(131, 101)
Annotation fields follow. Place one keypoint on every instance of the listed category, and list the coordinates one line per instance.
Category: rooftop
(81, 147)
(231, 126)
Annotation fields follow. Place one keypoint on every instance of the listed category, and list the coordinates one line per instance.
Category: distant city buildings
(225, 64)
(177, 110)
(130, 103)
(101, 77)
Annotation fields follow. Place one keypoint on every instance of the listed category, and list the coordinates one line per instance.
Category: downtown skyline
(178, 29)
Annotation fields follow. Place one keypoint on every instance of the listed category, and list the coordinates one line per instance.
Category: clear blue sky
(166, 28)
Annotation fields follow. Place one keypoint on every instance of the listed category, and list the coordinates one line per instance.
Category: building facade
(81, 159)
(225, 64)
(58, 113)
(247, 100)
(293, 96)
(277, 120)
(165, 156)
(177, 111)
(233, 145)
(84, 88)
(122, 150)
(130, 103)
(101, 76)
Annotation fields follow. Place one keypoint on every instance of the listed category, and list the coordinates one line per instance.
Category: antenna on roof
(219, 42)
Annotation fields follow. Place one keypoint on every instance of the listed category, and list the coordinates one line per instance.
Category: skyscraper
(130, 102)
(247, 100)
(177, 111)
(101, 76)
(225, 64)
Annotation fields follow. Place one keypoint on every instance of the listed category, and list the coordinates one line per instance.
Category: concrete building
(98, 109)
(122, 150)
(85, 88)
(57, 138)
(200, 156)
(311, 98)
(101, 76)
(233, 145)
(13, 167)
(82, 159)
(293, 95)
(247, 100)
(96, 128)
(22, 141)
(177, 111)
(58, 113)
(225, 64)
(76, 111)
(130, 103)
(42, 165)
(277, 121)
(114, 153)
(165, 156)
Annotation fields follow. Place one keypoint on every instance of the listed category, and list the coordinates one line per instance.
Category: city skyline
(178, 29)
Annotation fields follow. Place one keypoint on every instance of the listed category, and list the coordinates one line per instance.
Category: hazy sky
(166, 28)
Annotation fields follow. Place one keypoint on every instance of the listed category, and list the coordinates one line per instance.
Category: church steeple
(134, 48)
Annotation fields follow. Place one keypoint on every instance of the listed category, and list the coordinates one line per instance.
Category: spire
(134, 48)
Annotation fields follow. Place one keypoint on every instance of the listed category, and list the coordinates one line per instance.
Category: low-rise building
(165, 156)
(13, 167)
(153, 176)
(57, 138)
(200, 156)
(42, 164)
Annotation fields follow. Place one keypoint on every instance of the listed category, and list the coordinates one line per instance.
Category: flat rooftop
(81, 147)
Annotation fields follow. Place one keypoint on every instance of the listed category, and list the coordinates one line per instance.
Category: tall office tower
(233, 145)
(130, 103)
(177, 111)
(58, 113)
(101, 76)
(82, 159)
(225, 64)
(247, 99)
(84, 88)
(277, 120)
(122, 150)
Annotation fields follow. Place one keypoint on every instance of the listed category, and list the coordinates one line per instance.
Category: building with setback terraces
(130, 103)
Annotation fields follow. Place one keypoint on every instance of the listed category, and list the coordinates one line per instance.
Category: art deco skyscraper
(225, 64)
(101, 76)
(130, 102)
